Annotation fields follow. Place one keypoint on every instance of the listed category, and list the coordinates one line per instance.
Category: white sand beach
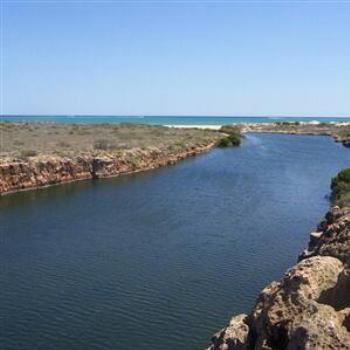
(211, 127)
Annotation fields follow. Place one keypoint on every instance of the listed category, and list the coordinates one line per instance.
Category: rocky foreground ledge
(309, 308)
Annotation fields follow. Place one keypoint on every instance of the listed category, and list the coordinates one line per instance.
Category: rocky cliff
(309, 308)
(38, 171)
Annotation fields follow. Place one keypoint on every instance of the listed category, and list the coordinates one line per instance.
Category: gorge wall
(41, 171)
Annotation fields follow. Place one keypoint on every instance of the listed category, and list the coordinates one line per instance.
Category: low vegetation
(24, 154)
(233, 138)
(23, 140)
(341, 188)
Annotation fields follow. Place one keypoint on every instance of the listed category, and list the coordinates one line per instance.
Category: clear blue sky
(176, 57)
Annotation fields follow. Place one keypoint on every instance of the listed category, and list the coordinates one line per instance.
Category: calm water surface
(159, 260)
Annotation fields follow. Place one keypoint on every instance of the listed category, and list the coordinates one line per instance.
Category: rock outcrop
(310, 307)
(45, 170)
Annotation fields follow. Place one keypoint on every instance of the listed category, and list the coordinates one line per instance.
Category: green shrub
(343, 176)
(341, 188)
(235, 139)
(224, 142)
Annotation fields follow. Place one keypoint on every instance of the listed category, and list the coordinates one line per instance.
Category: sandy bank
(196, 126)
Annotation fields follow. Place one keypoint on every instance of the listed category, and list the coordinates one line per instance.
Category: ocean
(161, 120)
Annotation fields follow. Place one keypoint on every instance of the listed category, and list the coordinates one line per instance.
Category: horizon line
(168, 115)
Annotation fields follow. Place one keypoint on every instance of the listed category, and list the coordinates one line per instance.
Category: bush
(233, 138)
(224, 142)
(341, 188)
(343, 176)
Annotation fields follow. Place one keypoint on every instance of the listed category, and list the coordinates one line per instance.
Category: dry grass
(25, 139)
(296, 127)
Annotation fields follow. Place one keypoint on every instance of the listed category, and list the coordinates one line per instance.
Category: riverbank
(137, 240)
(38, 155)
(195, 126)
(309, 308)
(44, 171)
(339, 131)
(35, 155)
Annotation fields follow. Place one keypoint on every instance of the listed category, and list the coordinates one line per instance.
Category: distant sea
(161, 120)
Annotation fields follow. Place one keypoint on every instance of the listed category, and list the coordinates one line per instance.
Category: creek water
(161, 259)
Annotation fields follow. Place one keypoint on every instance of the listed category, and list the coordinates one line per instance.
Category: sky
(239, 58)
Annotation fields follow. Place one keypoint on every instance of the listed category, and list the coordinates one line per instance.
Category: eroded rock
(234, 336)
(39, 171)
(310, 307)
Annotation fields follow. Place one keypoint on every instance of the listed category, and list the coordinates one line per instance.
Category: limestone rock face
(310, 307)
(293, 313)
(334, 238)
(234, 336)
(39, 171)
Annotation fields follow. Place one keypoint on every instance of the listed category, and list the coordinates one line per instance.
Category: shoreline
(38, 155)
(316, 282)
(312, 128)
(194, 126)
(44, 170)
(18, 177)
(309, 307)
